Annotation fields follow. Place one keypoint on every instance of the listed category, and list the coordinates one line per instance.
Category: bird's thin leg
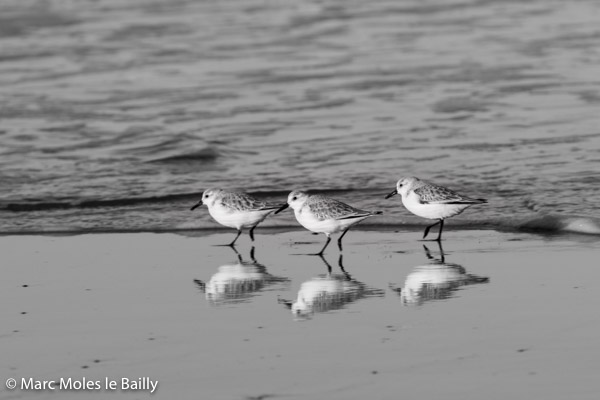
(430, 257)
(428, 228)
(340, 238)
(251, 233)
(341, 265)
(324, 247)
(237, 253)
(439, 238)
(236, 238)
(252, 255)
(428, 253)
(441, 252)
(326, 263)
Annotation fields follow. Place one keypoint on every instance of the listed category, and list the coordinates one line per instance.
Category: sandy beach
(502, 315)
(117, 116)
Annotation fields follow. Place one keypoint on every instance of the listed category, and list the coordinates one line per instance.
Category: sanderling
(236, 210)
(324, 215)
(431, 201)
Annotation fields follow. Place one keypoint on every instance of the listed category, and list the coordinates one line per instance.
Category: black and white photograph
(300, 200)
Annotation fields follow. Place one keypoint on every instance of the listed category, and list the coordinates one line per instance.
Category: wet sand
(503, 315)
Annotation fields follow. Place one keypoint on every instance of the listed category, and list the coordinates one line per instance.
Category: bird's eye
(294, 198)
(399, 185)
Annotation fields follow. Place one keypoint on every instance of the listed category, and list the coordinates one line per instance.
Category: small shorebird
(236, 210)
(431, 201)
(321, 214)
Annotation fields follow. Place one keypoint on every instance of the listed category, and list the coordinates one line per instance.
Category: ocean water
(115, 116)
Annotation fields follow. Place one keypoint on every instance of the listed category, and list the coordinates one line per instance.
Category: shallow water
(116, 115)
(510, 315)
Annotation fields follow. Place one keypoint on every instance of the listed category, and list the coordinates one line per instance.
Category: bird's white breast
(431, 211)
(237, 219)
(312, 223)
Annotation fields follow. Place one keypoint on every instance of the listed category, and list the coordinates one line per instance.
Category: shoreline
(543, 224)
(270, 230)
(205, 231)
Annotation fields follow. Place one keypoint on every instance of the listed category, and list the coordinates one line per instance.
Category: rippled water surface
(115, 115)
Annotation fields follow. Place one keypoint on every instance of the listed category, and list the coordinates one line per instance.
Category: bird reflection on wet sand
(328, 292)
(437, 280)
(238, 282)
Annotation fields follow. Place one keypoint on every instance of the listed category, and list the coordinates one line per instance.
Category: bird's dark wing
(435, 194)
(325, 208)
(245, 202)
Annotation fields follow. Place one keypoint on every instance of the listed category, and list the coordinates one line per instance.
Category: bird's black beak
(283, 207)
(395, 192)
(198, 204)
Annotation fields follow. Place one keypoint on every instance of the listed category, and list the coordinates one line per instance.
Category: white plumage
(431, 201)
(322, 214)
(236, 209)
